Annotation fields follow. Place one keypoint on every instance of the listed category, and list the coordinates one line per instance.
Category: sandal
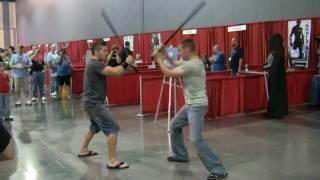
(121, 165)
(90, 153)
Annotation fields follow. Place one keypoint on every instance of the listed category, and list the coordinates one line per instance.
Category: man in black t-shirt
(37, 74)
(114, 58)
(125, 52)
(93, 102)
(236, 57)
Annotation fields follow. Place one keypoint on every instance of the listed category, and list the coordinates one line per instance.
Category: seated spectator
(217, 59)
(138, 59)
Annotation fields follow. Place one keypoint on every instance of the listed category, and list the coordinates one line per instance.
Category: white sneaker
(44, 99)
(18, 104)
(33, 99)
(28, 103)
(54, 94)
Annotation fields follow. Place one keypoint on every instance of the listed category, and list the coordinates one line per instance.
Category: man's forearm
(114, 71)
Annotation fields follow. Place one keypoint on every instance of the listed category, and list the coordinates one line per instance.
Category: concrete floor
(48, 139)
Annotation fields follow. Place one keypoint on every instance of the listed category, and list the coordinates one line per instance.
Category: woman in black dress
(277, 82)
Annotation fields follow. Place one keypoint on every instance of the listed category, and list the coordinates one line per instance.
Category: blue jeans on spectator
(194, 116)
(54, 84)
(37, 81)
(4, 105)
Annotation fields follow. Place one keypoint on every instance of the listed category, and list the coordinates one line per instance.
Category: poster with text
(299, 33)
(129, 39)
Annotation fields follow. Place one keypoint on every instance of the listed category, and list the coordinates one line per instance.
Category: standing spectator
(88, 54)
(236, 57)
(114, 58)
(126, 51)
(217, 59)
(12, 51)
(46, 52)
(64, 73)
(52, 60)
(38, 75)
(20, 64)
(4, 94)
(6, 57)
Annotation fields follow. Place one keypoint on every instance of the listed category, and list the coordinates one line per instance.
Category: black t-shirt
(124, 54)
(113, 61)
(94, 84)
(5, 138)
(235, 55)
(37, 66)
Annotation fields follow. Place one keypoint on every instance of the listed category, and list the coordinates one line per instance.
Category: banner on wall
(129, 39)
(155, 40)
(299, 33)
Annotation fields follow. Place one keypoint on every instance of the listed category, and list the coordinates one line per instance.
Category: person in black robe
(277, 83)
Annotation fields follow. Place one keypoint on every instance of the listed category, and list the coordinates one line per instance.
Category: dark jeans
(37, 82)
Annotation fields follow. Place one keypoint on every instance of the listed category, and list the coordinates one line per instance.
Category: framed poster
(299, 33)
(129, 39)
(155, 40)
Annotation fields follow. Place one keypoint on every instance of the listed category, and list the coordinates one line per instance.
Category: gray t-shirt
(94, 84)
(194, 82)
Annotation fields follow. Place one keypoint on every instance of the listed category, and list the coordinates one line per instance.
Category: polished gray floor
(48, 137)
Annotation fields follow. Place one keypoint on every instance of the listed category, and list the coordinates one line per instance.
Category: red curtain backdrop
(254, 41)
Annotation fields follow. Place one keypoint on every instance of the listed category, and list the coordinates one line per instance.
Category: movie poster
(129, 39)
(155, 40)
(299, 33)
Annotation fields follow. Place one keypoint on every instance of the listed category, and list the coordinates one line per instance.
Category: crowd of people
(23, 75)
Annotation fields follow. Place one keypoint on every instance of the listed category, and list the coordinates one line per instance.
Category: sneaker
(44, 99)
(8, 119)
(54, 94)
(18, 104)
(33, 99)
(28, 103)
(217, 177)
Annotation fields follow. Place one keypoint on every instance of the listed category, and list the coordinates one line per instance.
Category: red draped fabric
(77, 50)
(254, 41)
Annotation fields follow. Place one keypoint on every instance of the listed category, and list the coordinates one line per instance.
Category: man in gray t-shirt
(93, 103)
(192, 72)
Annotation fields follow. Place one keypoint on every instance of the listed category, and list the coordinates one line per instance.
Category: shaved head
(234, 42)
(215, 48)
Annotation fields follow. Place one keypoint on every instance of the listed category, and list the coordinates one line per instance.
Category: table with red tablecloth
(227, 94)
